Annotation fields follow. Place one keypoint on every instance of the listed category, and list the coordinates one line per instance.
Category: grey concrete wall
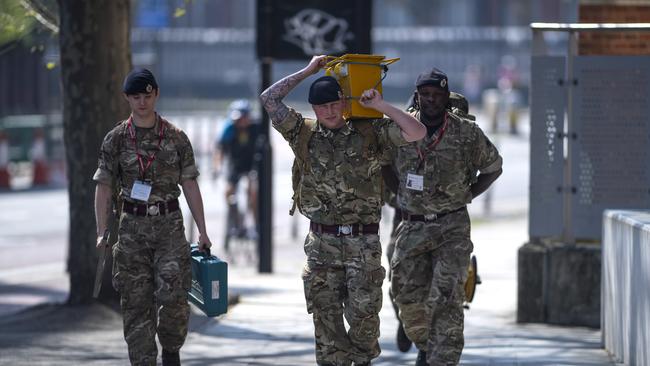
(625, 291)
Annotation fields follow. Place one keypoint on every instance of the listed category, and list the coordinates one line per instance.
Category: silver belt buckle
(153, 210)
(430, 217)
(345, 229)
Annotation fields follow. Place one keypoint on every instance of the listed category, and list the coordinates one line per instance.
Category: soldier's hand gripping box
(209, 291)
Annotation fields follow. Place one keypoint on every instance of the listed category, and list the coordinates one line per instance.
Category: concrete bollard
(559, 283)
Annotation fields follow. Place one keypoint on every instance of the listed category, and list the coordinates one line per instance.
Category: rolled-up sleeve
(189, 169)
(108, 155)
(486, 157)
(390, 133)
(290, 125)
(395, 135)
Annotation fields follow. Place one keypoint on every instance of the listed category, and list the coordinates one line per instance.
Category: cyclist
(235, 152)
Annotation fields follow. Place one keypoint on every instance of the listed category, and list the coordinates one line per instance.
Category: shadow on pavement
(548, 361)
(253, 359)
(245, 333)
(28, 326)
(10, 295)
(28, 290)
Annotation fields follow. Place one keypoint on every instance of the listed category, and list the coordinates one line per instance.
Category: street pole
(569, 190)
(265, 210)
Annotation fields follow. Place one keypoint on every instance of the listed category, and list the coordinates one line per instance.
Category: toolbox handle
(333, 61)
(390, 61)
(338, 60)
(205, 254)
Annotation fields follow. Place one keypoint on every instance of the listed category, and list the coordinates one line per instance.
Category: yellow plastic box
(357, 73)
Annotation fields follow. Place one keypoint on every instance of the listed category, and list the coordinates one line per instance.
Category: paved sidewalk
(271, 327)
(271, 321)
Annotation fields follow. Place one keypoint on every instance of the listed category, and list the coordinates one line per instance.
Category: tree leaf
(179, 12)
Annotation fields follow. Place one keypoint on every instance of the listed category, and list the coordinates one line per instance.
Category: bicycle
(240, 239)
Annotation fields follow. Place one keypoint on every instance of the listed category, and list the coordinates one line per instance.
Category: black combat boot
(170, 358)
(422, 359)
(403, 342)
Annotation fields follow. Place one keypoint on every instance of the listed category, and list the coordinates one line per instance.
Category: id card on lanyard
(141, 189)
(414, 180)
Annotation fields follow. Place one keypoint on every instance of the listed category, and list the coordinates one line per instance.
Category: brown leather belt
(338, 230)
(150, 209)
(428, 217)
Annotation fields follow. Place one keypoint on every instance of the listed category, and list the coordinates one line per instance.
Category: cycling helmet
(239, 108)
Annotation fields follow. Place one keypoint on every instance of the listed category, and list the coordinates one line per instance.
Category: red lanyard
(152, 157)
(432, 144)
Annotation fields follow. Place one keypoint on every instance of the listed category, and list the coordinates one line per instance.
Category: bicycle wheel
(232, 227)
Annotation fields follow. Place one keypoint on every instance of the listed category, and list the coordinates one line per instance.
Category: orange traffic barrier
(39, 159)
(5, 177)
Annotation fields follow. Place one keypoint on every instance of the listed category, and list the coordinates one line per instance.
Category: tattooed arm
(272, 97)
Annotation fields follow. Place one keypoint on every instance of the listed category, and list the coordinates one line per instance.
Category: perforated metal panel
(548, 104)
(611, 154)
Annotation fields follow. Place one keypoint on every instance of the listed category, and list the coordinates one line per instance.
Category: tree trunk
(95, 56)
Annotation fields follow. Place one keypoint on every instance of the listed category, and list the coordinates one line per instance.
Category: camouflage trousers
(343, 278)
(152, 273)
(429, 269)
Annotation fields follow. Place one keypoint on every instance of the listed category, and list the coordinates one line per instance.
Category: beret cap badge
(139, 80)
(433, 77)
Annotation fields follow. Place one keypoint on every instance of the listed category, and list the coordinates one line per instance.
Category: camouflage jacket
(448, 169)
(340, 186)
(173, 163)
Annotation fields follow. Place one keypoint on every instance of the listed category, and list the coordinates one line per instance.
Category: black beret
(139, 81)
(433, 77)
(324, 90)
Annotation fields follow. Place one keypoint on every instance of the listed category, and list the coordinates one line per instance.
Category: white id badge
(140, 191)
(414, 182)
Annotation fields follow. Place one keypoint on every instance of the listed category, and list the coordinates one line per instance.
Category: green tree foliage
(15, 21)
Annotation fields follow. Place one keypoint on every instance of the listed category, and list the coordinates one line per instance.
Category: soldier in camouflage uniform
(148, 157)
(437, 179)
(340, 191)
